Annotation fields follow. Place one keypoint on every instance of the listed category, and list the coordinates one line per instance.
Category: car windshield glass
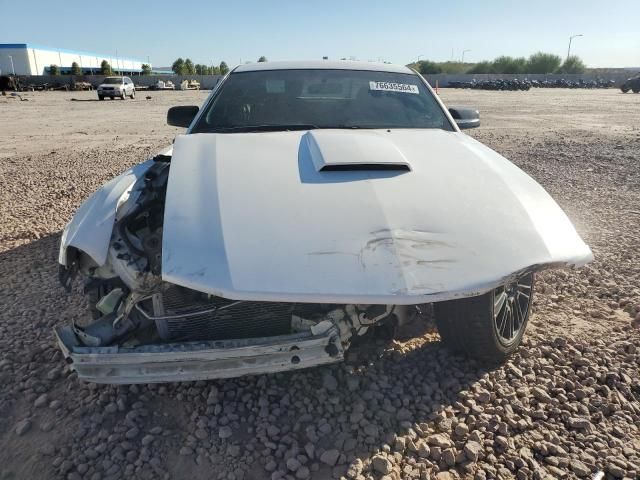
(112, 80)
(296, 99)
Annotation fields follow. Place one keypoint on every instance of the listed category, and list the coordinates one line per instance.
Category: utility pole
(571, 38)
(419, 57)
(463, 52)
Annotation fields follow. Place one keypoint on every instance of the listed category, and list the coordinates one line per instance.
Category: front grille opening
(182, 314)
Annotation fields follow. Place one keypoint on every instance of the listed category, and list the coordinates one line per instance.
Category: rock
(147, 439)
(132, 433)
(330, 457)
(541, 395)
(449, 457)
(355, 468)
(579, 423)
(472, 451)
(381, 464)
(444, 476)
(293, 464)
(483, 396)
(303, 473)
(441, 440)
(353, 383)
(461, 429)
(329, 382)
(579, 468)
(23, 426)
(41, 401)
(225, 432)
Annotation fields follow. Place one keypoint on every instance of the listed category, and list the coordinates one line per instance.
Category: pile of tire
(515, 84)
(562, 83)
(498, 84)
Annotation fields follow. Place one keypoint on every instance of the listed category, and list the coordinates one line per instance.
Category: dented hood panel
(250, 216)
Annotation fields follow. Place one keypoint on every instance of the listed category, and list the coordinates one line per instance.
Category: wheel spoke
(503, 321)
(498, 303)
(523, 285)
(521, 314)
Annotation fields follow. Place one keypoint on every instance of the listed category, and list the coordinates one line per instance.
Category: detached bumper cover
(191, 361)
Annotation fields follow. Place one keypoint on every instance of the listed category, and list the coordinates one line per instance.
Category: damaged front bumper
(203, 360)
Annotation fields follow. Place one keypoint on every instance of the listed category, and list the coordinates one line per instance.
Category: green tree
(54, 70)
(200, 69)
(543, 63)
(75, 69)
(262, 59)
(105, 68)
(428, 67)
(505, 64)
(178, 66)
(224, 68)
(573, 64)
(454, 67)
(189, 68)
(481, 67)
(146, 69)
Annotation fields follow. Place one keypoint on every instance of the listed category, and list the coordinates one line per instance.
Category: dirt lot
(567, 405)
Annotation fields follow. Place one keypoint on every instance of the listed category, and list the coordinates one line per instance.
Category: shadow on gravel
(386, 398)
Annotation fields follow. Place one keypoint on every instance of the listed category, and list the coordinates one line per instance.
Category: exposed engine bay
(134, 309)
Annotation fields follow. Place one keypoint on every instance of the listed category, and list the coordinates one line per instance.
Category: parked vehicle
(190, 85)
(632, 84)
(308, 204)
(164, 85)
(112, 87)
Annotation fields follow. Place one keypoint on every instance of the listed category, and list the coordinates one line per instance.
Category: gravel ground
(567, 405)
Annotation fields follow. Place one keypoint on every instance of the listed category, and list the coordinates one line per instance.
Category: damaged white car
(307, 204)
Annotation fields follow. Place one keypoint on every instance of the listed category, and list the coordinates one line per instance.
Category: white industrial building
(29, 59)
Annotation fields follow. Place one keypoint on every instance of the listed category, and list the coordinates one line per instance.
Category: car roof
(323, 65)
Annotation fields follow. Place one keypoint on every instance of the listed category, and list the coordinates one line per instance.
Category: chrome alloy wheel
(511, 304)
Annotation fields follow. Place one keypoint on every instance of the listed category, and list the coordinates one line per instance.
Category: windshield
(112, 80)
(306, 99)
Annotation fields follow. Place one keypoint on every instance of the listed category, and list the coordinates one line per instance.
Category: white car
(121, 87)
(307, 204)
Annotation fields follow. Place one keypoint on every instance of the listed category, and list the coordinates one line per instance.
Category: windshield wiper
(265, 128)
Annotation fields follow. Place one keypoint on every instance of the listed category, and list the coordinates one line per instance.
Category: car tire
(123, 96)
(636, 90)
(487, 327)
(624, 89)
(100, 97)
(133, 94)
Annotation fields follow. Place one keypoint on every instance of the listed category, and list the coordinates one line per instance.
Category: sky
(397, 31)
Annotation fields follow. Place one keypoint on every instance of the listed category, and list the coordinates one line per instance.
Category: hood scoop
(347, 150)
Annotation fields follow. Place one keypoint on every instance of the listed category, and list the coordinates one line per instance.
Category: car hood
(355, 216)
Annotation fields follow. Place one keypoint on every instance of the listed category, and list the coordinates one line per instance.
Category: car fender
(90, 228)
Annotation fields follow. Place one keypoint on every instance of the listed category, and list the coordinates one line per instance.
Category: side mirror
(465, 117)
(182, 116)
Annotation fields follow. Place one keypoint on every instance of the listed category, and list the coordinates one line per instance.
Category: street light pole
(419, 57)
(13, 70)
(463, 52)
(571, 38)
